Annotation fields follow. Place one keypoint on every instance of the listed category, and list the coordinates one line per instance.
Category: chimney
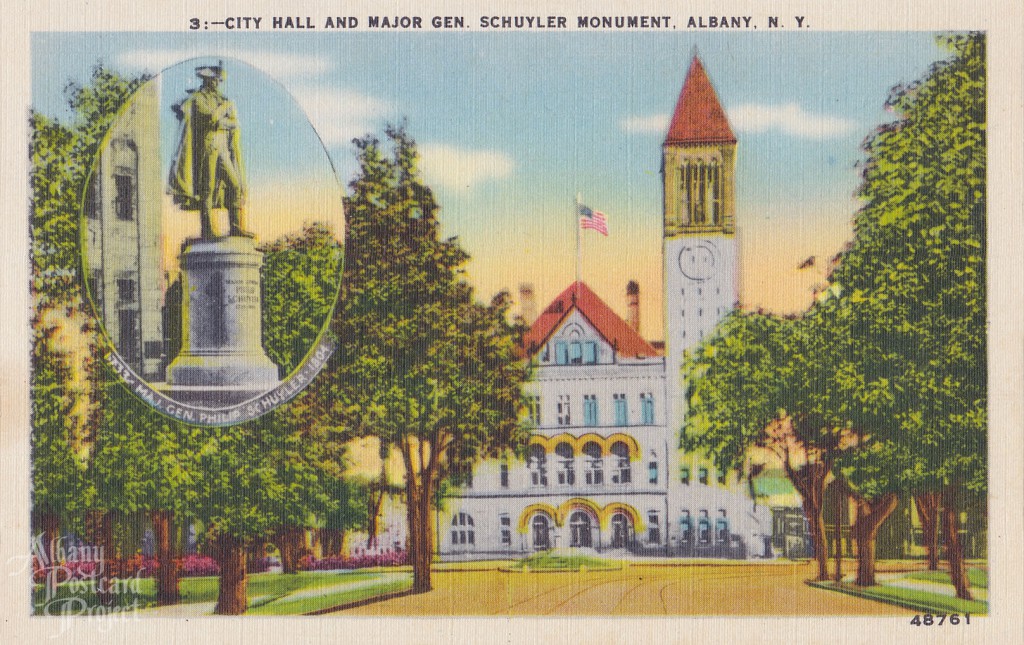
(633, 305)
(527, 303)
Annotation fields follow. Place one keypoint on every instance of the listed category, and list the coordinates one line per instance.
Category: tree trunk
(870, 515)
(373, 515)
(809, 481)
(167, 591)
(840, 502)
(928, 512)
(288, 540)
(332, 540)
(232, 596)
(49, 524)
(257, 552)
(954, 548)
(419, 548)
(105, 539)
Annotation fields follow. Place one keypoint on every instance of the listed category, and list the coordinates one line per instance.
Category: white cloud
(652, 124)
(280, 65)
(789, 119)
(462, 168)
(339, 115)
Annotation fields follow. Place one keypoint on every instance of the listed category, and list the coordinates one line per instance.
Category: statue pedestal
(221, 362)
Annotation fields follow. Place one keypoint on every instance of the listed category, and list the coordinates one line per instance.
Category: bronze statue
(207, 171)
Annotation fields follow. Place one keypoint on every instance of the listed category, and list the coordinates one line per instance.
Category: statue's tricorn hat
(210, 71)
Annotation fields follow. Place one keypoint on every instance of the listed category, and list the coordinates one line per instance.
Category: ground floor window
(541, 526)
(722, 527)
(653, 528)
(463, 529)
(685, 528)
(505, 522)
(622, 528)
(580, 529)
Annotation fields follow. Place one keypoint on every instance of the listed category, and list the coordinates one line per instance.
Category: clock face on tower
(698, 261)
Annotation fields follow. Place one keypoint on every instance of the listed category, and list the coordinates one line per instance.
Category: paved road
(776, 589)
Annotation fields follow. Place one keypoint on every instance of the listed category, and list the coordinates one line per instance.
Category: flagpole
(576, 221)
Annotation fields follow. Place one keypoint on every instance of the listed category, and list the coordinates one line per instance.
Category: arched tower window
(700, 189)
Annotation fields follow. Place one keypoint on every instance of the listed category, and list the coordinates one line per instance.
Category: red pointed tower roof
(699, 117)
(612, 328)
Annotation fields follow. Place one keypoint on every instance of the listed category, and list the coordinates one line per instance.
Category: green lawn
(561, 561)
(976, 577)
(915, 599)
(285, 605)
(268, 590)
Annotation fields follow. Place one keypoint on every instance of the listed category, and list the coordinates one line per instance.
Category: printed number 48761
(940, 619)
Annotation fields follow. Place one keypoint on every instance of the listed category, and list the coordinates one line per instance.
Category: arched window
(536, 462)
(622, 530)
(566, 474)
(541, 526)
(715, 192)
(580, 529)
(462, 529)
(595, 465)
(622, 473)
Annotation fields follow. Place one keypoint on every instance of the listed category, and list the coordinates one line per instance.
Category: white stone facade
(123, 236)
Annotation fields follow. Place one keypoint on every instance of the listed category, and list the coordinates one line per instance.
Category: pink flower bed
(388, 559)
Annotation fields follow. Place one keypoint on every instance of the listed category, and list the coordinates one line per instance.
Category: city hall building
(603, 468)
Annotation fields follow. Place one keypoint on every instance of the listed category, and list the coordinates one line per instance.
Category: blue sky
(512, 125)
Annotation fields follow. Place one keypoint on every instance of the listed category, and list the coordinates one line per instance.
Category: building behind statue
(123, 235)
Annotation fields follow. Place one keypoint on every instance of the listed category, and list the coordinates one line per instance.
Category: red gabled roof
(699, 117)
(612, 328)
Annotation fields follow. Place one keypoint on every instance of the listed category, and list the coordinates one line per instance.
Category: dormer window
(575, 353)
(561, 353)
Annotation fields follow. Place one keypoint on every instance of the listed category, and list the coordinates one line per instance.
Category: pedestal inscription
(222, 361)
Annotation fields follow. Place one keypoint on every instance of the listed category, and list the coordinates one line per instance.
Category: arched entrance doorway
(541, 531)
(622, 530)
(580, 529)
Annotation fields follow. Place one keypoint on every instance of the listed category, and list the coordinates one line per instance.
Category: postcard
(467, 323)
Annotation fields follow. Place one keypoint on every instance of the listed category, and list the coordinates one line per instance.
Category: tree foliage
(885, 376)
(422, 365)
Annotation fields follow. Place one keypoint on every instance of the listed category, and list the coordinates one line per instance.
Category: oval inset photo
(213, 230)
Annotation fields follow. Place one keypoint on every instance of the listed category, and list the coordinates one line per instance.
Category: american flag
(592, 219)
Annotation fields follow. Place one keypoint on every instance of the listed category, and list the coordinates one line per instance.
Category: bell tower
(701, 270)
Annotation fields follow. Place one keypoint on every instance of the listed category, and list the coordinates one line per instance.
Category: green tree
(64, 346)
(145, 464)
(301, 278)
(422, 366)
(762, 384)
(913, 281)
